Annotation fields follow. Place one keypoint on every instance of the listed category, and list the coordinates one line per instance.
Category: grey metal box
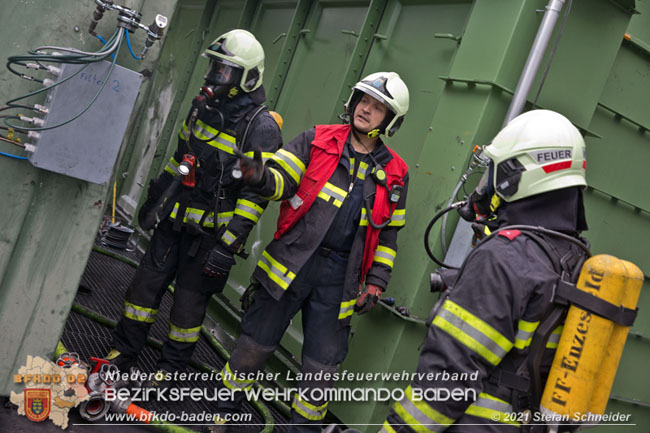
(87, 147)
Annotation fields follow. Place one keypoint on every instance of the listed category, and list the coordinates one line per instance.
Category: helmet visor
(222, 72)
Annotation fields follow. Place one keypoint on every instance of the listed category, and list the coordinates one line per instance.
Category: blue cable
(128, 44)
(12, 156)
(104, 42)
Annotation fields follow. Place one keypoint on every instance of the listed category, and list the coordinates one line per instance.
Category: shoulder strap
(246, 124)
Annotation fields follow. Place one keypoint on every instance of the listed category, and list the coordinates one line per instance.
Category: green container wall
(460, 90)
(49, 221)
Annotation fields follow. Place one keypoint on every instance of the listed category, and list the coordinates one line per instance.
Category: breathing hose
(427, 233)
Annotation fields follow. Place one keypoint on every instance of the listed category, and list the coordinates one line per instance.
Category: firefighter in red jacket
(344, 195)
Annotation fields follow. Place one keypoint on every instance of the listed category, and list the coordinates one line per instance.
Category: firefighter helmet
(239, 50)
(388, 88)
(536, 152)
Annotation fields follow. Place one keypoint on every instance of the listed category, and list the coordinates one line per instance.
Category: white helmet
(239, 49)
(536, 152)
(388, 88)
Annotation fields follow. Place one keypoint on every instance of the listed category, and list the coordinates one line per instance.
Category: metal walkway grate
(102, 290)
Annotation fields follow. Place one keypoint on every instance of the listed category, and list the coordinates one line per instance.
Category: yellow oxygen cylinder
(583, 343)
(614, 351)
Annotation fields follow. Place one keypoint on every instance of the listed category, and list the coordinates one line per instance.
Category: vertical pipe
(535, 57)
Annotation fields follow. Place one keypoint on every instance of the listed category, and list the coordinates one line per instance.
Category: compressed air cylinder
(607, 372)
(583, 344)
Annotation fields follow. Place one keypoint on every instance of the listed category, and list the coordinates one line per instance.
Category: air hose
(427, 233)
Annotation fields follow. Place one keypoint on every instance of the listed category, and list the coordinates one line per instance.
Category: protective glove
(218, 262)
(249, 296)
(252, 169)
(367, 298)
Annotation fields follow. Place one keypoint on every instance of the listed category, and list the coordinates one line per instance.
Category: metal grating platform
(102, 290)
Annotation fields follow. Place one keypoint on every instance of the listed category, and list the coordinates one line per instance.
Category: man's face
(369, 113)
(220, 73)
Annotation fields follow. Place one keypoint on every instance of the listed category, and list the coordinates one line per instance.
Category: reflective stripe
(194, 215)
(398, 219)
(363, 169)
(139, 314)
(228, 237)
(419, 415)
(333, 191)
(290, 163)
(222, 218)
(554, 338)
(184, 335)
(364, 217)
(492, 408)
(387, 428)
(231, 381)
(184, 132)
(249, 210)
(276, 271)
(308, 410)
(347, 308)
(220, 140)
(265, 155)
(385, 255)
(525, 333)
(473, 332)
(279, 184)
(172, 166)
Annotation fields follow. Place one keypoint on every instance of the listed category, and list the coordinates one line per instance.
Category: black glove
(157, 187)
(248, 296)
(218, 262)
(252, 169)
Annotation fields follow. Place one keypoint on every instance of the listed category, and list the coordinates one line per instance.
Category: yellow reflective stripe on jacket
(248, 210)
(347, 308)
(139, 314)
(228, 237)
(290, 163)
(194, 215)
(220, 140)
(387, 428)
(419, 415)
(385, 255)
(332, 191)
(492, 408)
(184, 132)
(364, 217)
(554, 338)
(398, 219)
(172, 166)
(363, 170)
(184, 335)
(308, 410)
(277, 272)
(265, 155)
(279, 184)
(525, 333)
(473, 332)
(232, 382)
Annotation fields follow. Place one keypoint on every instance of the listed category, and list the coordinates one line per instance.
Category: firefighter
(344, 195)
(205, 220)
(482, 327)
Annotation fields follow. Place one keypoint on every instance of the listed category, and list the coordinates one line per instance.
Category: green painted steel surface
(317, 49)
(48, 221)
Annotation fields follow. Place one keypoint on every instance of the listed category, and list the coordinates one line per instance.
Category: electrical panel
(87, 147)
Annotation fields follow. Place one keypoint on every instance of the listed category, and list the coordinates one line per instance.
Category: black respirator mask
(223, 78)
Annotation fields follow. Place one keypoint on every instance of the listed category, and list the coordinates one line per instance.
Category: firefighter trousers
(167, 258)
(317, 290)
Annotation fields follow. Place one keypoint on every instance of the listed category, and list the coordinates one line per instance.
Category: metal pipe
(535, 57)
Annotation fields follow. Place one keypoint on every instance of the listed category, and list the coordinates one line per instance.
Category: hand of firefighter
(367, 298)
(252, 169)
(218, 262)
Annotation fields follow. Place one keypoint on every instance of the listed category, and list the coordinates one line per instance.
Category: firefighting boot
(120, 360)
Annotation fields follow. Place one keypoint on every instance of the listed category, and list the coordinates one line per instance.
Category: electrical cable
(13, 156)
(128, 44)
(110, 71)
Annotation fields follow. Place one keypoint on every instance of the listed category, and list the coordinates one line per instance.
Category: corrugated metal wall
(460, 60)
